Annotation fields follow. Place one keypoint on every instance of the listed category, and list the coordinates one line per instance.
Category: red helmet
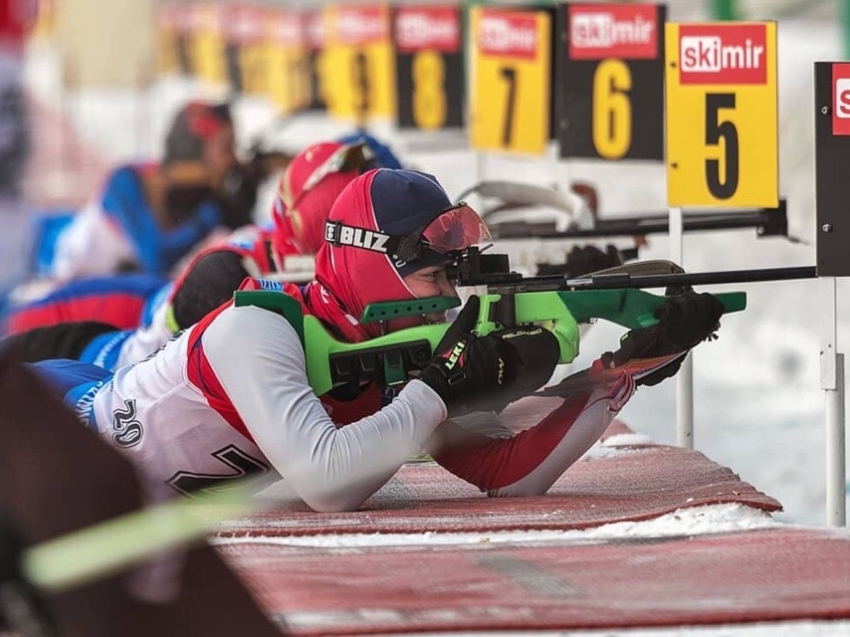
(308, 189)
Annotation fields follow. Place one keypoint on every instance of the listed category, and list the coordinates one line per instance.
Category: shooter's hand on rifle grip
(464, 364)
(531, 354)
(684, 321)
(690, 318)
(485, 373)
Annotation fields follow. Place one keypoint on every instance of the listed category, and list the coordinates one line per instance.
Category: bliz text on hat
(339, 234)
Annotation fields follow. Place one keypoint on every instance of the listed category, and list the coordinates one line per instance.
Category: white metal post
(480, 166)
(836, 503)
(685, 377)
(832, 383)
(685, 404)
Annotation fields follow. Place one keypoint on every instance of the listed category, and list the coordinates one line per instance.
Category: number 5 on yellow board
(722, 115)
(511, 68)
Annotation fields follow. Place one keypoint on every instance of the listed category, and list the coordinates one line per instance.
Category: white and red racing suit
(230, 397)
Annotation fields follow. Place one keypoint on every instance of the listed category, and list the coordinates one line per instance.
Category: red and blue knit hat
(385, 225)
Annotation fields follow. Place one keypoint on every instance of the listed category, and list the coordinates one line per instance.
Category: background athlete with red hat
(236, 382)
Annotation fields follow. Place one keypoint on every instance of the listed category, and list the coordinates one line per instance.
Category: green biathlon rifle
(511, 301)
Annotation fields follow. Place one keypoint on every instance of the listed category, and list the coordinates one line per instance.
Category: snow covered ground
(758, 406)
(787, 629)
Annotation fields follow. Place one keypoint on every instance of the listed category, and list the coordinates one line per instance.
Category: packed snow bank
(720, 518)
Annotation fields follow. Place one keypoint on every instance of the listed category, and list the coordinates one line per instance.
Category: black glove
(689, 318)
(463, 363)
(583, 260)
(530, 354)
(474, 373)
(684, 321)
(586, 259)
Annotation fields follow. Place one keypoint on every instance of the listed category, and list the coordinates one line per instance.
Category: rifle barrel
(624, 280)
(768, 222)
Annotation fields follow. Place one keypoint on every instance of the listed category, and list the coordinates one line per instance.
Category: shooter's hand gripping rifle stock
(332, 363)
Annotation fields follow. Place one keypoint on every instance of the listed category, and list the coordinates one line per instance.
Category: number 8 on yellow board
(511, 69)
(722, 115)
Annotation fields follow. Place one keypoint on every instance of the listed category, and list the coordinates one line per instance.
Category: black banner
(609, 91)
(429, 67)
(832, 166)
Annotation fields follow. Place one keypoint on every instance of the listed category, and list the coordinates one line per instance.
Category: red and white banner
(613, 30)
(360, 25)
(723, 54)
(433, 28)
(841, 99)
(508, 34)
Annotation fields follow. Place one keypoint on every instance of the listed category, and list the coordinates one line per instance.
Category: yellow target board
(359, 58)
(209, 50)
(168, 52)
(286, 61)
(429, 66)
(511, 75)
(721, 108)
(511, 78)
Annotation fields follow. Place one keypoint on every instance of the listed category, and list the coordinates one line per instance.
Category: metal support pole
(480, 166)
(767, 222)
(836, 503)
(685, 377)
(625, 280)
(685, 404)
(832, 382)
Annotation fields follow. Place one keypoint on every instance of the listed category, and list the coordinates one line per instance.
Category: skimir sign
(722, 115)
(610, 81)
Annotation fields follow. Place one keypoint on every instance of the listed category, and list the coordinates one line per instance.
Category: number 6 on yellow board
(511, 80)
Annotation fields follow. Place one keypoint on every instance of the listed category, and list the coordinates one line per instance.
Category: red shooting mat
(637, 483)
(766, 575)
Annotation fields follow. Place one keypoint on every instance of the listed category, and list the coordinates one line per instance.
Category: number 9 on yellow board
(511, 69)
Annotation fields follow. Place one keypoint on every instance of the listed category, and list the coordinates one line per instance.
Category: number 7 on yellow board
(511, 72)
